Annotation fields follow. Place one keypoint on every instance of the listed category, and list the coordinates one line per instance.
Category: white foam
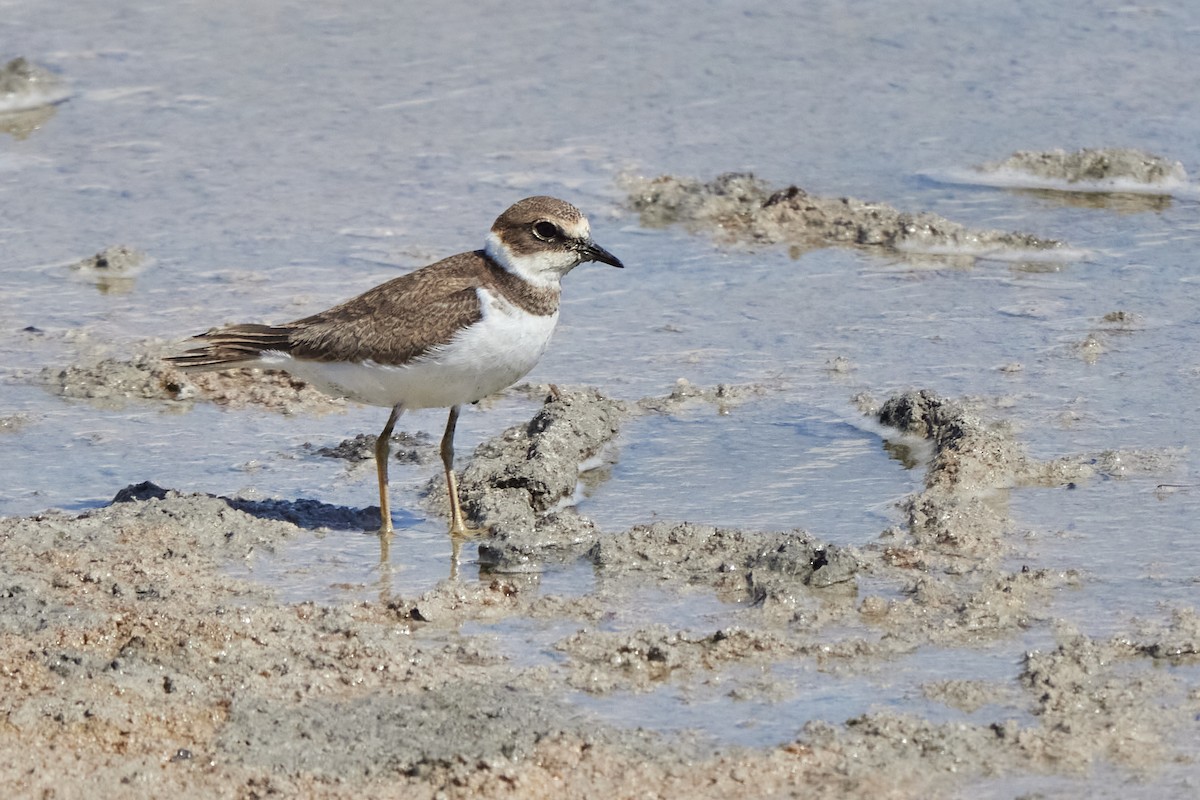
(24, 101)
(998, 252)
(1009, 178)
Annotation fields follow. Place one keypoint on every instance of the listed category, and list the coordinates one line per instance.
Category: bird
(441, 336)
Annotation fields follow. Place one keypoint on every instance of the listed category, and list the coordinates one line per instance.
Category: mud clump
(113, 269)
(1084, 692)
(958, 513)
(962, 510)
(1178, 641)
(25, 85)
(967, 451)
(114, 381)
(115, 259)
(744, 565)
(519, 484)
(407, 448)
(28, 97)
(684, 393)
(1093, 166)
(741, 207)
(1123, 180)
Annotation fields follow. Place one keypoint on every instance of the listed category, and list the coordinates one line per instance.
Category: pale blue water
(274, 157)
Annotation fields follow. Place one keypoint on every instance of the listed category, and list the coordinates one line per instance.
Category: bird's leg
(457, 526)
(382, 445)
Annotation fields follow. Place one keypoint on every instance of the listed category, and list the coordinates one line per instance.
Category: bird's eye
(546, 231)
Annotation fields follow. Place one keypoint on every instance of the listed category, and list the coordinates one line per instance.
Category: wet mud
(1093, 166)
(114, 269)
(24, 85)
(28, 94)
(1119, 179)
(739, 207)
(910, 636)
(113, 382)
(132, 657)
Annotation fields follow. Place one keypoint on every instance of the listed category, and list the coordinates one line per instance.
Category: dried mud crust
(741, 207)
(130, 658)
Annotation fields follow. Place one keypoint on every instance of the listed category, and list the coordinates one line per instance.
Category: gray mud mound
(743, 564)
(407, 448)
(741, 208)
(962, 510)
(1093, 167)
(1124, 180)
(24, 85)
(724, 396)
(116, 259)
(29, 95)
(958, 512)
(975, 464)
(519, 484)
(269, 389)
(112, 382)
(113, 269)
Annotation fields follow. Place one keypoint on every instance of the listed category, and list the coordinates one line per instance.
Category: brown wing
(391, 324)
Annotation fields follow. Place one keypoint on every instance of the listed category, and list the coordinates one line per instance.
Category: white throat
(543, 269)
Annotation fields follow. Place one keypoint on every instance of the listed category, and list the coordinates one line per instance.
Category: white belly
(494, 353)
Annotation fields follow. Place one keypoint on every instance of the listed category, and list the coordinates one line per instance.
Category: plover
(447, 334)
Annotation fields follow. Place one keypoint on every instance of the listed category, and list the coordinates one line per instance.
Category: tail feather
(233, 346)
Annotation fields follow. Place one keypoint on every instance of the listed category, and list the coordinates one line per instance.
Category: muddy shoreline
(134, 659)
(137, 659)
(872, 476)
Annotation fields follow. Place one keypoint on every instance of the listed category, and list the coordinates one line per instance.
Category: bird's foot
(460, 530)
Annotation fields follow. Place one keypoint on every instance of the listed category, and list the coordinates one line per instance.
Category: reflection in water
(1120, 202)
(385, 568)
(20, 124)
(387, 572)
(910, 454)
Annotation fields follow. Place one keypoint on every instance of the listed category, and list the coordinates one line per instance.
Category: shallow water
(271, 161)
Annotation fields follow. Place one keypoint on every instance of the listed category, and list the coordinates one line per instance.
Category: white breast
(493, 353)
